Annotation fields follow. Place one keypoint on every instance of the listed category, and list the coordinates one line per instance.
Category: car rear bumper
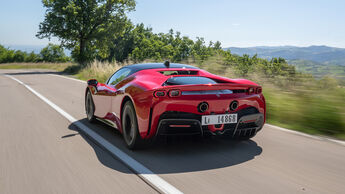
(250, 121)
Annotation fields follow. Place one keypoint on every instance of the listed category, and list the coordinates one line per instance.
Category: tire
(89, 107)
(130, 126)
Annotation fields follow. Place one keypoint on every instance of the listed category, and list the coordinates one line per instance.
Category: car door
(116, 99)
(103, 97)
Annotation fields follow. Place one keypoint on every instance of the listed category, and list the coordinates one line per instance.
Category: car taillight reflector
(158, 94)
(251, 90)
(184, 126)
(174, 93)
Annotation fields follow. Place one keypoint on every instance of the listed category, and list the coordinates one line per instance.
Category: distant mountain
(319, 54)
(317, 60)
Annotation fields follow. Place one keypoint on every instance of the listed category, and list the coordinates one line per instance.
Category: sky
(234, 23)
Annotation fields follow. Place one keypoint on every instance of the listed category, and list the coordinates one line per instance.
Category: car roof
(143, 66)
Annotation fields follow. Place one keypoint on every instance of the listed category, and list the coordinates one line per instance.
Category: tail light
(174, 93)
(258, 90)
(158, 94)
(251, 90)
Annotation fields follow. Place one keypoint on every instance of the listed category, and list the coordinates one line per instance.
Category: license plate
(218, 119)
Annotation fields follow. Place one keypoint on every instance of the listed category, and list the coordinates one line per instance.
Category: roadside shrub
(53, 53)
(32, 57)
(99, 70)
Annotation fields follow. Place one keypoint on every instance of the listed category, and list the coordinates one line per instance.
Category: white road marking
(147, 175)
(70, 78)
(307, 135)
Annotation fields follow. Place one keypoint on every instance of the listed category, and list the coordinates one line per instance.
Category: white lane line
(147, 175)
(70, 78)
(307, 135)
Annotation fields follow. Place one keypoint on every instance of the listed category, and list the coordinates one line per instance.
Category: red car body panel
(140, 86)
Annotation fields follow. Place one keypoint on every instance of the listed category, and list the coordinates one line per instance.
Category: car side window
(119, 76)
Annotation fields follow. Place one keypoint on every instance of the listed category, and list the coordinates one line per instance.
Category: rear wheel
(89, 107)
(130, 126)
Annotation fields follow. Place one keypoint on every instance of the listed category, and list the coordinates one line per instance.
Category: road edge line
(144, 173)
(67, 77)
(339, 142)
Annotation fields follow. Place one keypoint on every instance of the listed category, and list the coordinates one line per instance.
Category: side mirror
(92, 82)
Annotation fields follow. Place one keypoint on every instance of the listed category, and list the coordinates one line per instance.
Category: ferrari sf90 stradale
(145, 101)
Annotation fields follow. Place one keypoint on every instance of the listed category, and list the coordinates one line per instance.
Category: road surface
(42, 152)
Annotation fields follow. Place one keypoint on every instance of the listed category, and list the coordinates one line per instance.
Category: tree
(53, 53)
(84, 25)
(32, 57)
(122, 45)
(217, 45)
(3, 54)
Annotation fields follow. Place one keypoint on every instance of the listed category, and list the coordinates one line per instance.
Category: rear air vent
(238, 91)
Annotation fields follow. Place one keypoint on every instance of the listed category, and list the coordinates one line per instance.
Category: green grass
(52, 66)
(310, 111)
(307, 105)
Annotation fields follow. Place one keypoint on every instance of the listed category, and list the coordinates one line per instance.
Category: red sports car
(144, 101)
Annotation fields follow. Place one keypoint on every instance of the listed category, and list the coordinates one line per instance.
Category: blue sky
(234, 23)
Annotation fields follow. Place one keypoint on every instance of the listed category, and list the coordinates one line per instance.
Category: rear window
(193, 80)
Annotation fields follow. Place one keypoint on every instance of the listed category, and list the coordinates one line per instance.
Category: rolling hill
(317, 60)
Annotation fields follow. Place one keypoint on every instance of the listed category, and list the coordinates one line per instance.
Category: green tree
(3, 54)
(19, 56)
(217, 45)
(32, 57)
(53, 53)
(122, 45)
(84, 25)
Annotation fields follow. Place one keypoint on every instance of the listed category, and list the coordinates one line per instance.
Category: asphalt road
(41, 152)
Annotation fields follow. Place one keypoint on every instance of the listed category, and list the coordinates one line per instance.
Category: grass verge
(52, 66)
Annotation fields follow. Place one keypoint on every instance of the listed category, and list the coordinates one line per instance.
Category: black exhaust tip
(233, 105)
(202, 107)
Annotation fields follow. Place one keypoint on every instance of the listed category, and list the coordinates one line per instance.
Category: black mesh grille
(239, 91)
(247, 111)
(179, 115)
(246, 125)
(167, 130)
